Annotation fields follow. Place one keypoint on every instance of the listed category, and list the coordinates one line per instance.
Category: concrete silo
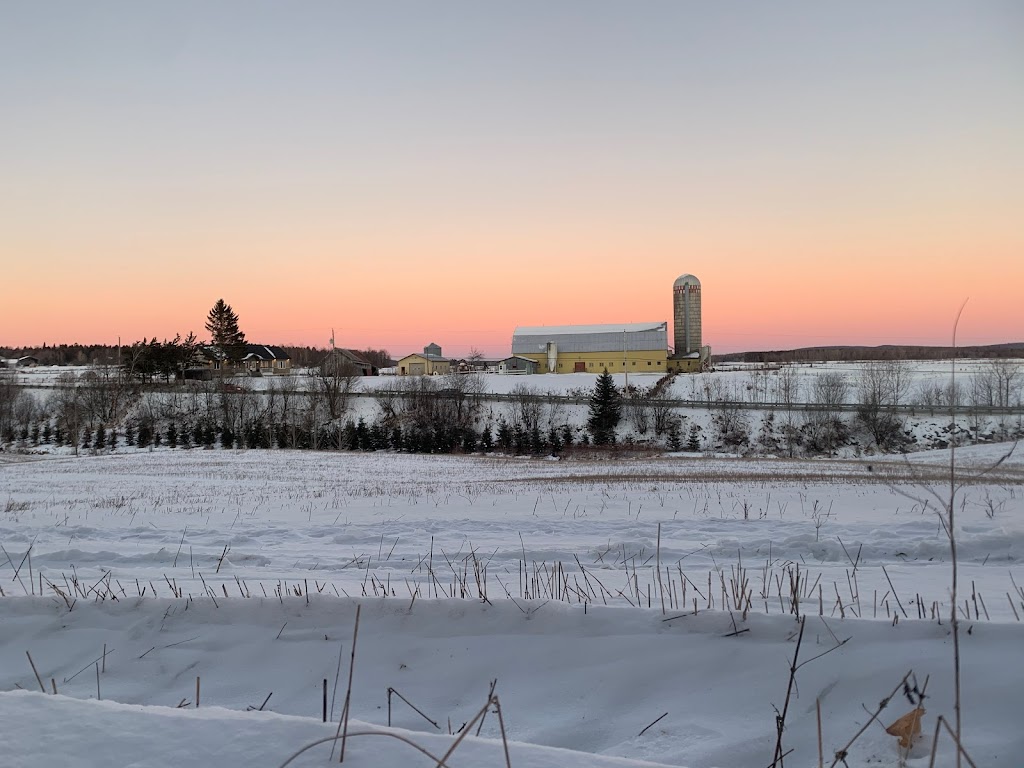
(686, 314)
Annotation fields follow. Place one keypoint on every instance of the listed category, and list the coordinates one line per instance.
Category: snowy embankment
(534, 574)
(587, 681)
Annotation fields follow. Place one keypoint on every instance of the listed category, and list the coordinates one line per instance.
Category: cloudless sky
(409, 172)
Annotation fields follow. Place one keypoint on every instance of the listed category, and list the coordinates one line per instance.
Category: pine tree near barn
(605, 410)
(222, 323)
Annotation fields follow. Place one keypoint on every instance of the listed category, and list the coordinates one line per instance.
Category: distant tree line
(102, 354)
(884, 352)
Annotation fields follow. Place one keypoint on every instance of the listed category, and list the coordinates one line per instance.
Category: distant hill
(883, 352)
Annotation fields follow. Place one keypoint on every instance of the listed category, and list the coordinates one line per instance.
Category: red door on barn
(580, 368)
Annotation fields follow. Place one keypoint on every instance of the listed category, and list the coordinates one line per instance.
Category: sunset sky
(414, 172)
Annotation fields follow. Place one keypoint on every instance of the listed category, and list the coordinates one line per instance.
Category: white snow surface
(578, 667)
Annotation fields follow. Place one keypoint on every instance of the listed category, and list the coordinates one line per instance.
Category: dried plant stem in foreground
(941, 721)
(841, 755)
(36, 671)
(780, 718)
(343, 722)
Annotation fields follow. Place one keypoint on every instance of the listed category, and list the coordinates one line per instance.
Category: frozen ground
(735, 378)
(536, 574)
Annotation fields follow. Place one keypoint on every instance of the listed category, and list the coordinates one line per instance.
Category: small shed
(517, 364)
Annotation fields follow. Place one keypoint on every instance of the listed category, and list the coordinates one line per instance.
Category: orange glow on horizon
(474, 294)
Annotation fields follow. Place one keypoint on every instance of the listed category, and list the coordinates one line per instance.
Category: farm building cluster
(617, 348)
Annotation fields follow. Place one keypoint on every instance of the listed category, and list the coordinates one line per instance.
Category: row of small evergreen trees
(430, 436)
(353, 435)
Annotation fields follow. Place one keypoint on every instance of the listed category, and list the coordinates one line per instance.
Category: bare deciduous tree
(882, 385)
(337, 378)
(788, 386)
(527, 407)
(638, 409)
(825, 425)
(71, 412)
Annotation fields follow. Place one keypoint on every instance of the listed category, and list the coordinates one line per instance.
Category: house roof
(266, 352)
(431, 358)
(351, 354)
(252, 351)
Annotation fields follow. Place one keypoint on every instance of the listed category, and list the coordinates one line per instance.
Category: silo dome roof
(685, 280)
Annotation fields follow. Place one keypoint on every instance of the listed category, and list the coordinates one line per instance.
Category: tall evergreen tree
(222, 323)
(605, 409)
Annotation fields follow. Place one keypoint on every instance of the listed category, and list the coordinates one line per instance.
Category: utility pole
(624, 369)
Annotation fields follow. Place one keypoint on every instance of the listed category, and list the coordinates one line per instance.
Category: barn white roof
(564, 330)
(592, 338)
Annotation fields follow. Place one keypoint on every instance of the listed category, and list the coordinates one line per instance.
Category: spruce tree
(519, 440)
(47, 433)
(504, 435)
(378, 437)
(675, 443)
(101, 437)
(605, 409)
(567, 436)
(222, 323)
(554, 442)
(693, 442)
(536, 443)
(350, 436)
(362, 435)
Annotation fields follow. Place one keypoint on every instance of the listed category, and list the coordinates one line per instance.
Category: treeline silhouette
(884, 352)
(103, 354)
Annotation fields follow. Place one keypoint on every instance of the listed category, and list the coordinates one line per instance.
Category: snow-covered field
(600, 595)
(735, 378)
